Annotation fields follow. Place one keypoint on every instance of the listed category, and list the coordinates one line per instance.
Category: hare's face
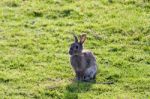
(77, 47)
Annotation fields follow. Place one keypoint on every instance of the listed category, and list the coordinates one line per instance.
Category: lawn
(35, 36)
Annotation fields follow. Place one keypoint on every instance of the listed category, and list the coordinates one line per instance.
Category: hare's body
(83, 63)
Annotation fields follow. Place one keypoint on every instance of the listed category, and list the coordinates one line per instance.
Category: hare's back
(88, 55)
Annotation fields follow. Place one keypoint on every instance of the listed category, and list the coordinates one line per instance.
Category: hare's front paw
(77, 77)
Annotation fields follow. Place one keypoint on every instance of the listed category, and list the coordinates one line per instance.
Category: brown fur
(82, 62)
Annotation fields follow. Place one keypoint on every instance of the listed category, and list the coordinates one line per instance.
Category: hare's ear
(75, 38)
(82, 38)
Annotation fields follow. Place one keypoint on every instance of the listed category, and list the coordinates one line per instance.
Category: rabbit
(83, 62)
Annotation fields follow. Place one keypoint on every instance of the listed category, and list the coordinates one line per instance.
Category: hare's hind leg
(90, 73)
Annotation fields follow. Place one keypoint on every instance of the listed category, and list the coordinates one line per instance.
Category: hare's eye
(76, 47)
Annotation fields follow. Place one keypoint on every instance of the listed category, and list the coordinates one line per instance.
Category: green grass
(35, 36)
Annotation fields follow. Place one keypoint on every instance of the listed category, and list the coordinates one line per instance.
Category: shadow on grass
(76, 87)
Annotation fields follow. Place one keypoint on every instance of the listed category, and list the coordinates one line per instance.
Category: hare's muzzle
(70, 52)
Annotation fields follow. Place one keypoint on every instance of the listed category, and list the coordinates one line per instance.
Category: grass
(35, 36)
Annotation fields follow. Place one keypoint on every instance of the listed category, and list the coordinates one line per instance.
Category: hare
(83, 62)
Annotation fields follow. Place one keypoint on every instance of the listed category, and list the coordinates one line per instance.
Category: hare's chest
(78, 62)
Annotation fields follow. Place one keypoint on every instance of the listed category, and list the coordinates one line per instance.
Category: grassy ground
(34, 41)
